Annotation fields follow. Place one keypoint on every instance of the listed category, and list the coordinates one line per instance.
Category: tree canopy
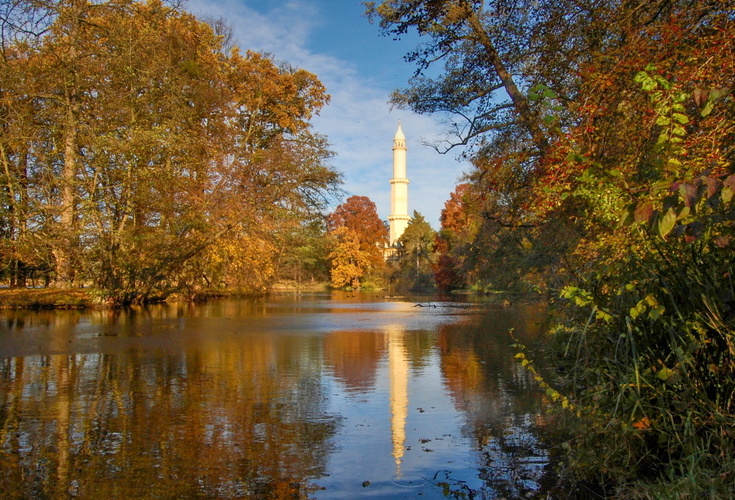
(141, 157)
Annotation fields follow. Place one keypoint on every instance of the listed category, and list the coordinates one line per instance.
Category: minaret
(398, 217)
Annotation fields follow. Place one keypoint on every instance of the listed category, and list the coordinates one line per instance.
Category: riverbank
(46, 298)
(83, 298)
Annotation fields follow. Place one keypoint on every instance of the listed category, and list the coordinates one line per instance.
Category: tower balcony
(399, 180)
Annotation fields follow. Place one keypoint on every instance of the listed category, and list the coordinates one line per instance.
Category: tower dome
(399, 134)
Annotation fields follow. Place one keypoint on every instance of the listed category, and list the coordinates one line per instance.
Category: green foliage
(653, 370)
(305, 256)
(554, 395)
(414, 266)
(656, 377)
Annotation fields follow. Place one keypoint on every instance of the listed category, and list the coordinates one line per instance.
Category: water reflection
(295, 397)
(500, 401)
(398, 370)
(220, 423)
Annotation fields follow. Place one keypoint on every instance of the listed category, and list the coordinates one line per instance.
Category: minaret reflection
(398, 369)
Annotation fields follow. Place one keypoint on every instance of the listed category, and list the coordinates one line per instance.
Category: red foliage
(360, 215)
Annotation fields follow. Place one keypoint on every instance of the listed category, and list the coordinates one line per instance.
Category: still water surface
(315, 396)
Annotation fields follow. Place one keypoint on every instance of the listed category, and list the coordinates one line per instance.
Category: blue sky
(360, 68)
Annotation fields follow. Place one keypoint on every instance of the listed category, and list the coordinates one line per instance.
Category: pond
(324, 396)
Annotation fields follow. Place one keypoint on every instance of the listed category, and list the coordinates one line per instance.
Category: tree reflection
(353, 357)
(231, 400)
(498, 397)
(221, 420)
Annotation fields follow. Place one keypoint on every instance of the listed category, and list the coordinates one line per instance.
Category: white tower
(398, 217)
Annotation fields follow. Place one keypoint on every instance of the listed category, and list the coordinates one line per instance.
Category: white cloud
(358, 121)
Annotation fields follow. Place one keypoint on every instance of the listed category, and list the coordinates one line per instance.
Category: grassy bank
(45, 298)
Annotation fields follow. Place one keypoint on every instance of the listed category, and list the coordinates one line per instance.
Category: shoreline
(47, 298)
(53, 298)
(89, 298)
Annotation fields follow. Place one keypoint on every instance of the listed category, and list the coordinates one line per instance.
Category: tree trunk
(64, 248)
(528, 120)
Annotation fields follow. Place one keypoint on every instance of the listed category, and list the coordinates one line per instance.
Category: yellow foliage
(348, 261)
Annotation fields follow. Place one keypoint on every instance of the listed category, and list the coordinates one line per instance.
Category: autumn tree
(363, 238)
(479, 59)
(44, 42)
(505, 77)
(349, 263)
(157, 161)
(501, 74)
(613, 183)
(360, 214)
(459, 226)
(21, 251)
